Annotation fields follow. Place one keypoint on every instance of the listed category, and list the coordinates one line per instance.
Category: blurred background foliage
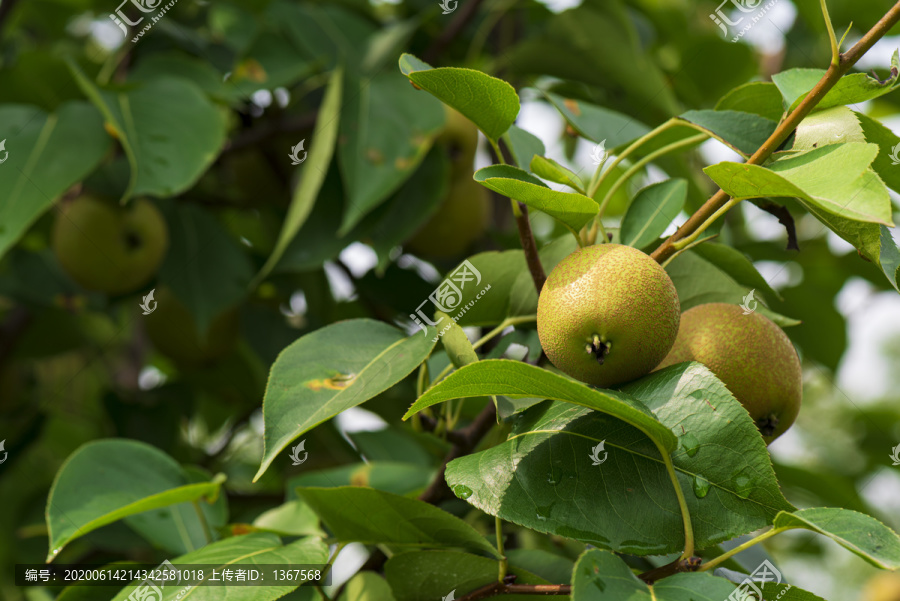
(76, 366)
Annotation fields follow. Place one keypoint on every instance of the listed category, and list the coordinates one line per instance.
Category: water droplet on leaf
(701, 486)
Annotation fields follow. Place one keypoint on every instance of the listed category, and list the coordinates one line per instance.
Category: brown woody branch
(785, 128)
(670, 569)
(508, 588)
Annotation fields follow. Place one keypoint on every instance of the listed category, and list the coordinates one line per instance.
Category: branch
(466, 440)
(691, 564)
(526, 237)
(508, 588)
(459, 22)
(785, 128)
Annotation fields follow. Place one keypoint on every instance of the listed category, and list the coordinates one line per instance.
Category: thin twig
(785, 128)
(682, 564)
(507, 588)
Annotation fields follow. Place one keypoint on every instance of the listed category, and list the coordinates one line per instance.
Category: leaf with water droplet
(700, 486)
(690, 443)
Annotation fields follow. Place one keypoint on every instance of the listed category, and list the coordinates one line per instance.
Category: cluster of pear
(609, 314)
(462, 217)
(114, 249)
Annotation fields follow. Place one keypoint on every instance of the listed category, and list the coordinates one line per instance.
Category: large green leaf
(386, 129)
(247, 551)
(831, 126)
(862, 534)
(570, 208)
(490, 103)
(330, 370)
(742, 132)
(544, 476)
(389, 476)
(44, 155)
(795, 84)
(367, 586)
(498, 270)
(736, 265)
(106, 480)
(169, 144)
(205, 267)
(651, 212)
(834, 178)
(600, 575)
(319, 153)
(521, 380)
(598, 124)
(758, 97)
(373, 517)
(434, 575)
(523, 146)
(884, 165)
(552, 171)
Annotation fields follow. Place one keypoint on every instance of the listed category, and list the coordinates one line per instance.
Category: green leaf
(499, 271)
(204, 266)
(521, 380)
(857, 532)
(247, 551)
(420, 575)
(375, 517)
(831, 126)
(169, 144)
(834, 178)
(758, 97)
(795, 84)
(551, 567)
(106, 480)
(570, 208)
(367, 586)
(184, 66)
(293, 518)
(386, 129)
(742, 132)
(598, 124)
(554, 172)
(716, 277)
(600, 575)
(884, 164)
(319, 153)
(46, 155)
(389, 476)
(330, 370)
(523, 146)
(736, 265)
(544, 478)
(490, 103)
(651, 212)
(456, 343)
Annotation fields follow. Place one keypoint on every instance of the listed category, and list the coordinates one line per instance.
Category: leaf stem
(688, 247)
(729, 554)
(503, 563)
(682, 503)
(832, 75)
(689, 240)
(509, 321)
(206, 530)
